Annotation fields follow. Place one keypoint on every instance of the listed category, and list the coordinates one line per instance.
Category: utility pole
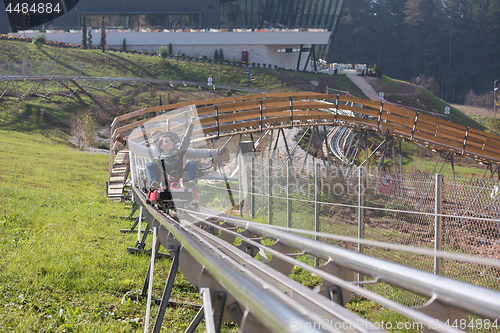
(495, 89)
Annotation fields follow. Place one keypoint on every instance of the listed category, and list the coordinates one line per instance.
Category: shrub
(39, 40)
(170, 49)
(163, 52)
(229, 93)
(124, 45)
(103, 34)
(84, 32)
(253, 64)
(472, 99)
(83, 127)
(216, 55)
(221, 55)
(264, 65)
(377, 70)
(89, 39)
(275, 66)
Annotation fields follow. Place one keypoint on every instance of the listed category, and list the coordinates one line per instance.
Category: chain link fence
(396, 208)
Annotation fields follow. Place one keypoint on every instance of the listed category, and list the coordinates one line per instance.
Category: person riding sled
(168, 156)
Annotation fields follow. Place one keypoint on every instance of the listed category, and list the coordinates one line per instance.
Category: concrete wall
(262, 47)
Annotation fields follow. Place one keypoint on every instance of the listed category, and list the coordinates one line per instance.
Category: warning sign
(387, 180)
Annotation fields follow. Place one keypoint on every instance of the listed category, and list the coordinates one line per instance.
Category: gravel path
(365, 87)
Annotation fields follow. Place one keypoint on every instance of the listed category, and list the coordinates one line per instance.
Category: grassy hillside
(416, 96)
(58, 110)
(132, 65)
(63, 266)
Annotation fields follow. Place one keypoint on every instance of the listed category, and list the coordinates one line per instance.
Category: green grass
(63, 266)
(132, 65)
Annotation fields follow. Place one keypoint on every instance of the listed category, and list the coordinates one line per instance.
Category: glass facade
(149, 21)
(290, 14)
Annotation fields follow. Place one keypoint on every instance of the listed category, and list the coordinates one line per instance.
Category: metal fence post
(361, 202)
(438, 223)
(240, 165)
(252, 210)
(316, 206)
(288, 195)
(270, 191)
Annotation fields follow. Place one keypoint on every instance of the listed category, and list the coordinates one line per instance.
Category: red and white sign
(387, 180)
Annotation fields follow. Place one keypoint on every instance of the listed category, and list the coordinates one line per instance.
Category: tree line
(452, 45)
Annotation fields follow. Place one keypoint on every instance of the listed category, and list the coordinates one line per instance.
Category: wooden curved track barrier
(255, 113)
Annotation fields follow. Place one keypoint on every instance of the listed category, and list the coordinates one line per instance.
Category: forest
(453, 46)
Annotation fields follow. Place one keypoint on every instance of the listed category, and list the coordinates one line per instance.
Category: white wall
(262, 47)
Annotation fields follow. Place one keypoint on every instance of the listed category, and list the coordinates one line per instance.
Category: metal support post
(401, 167)
(252, 188)
(217, 119)
(454, 184)
(316, 206)
(438, 223)
(138, 221)
(276, 145)
(240, 206)
(361, 203)
(366, 153)
(154, 252)
(326, 144)
(495, 89)
(219, 302)
(288, 194)
(295, 146)
(167, 291)
(270, 144)
(150, 284)
(322, 153)
(289, 158)
(208, 310)
(308, 146)
(380, 164)
(396, 177)
(196, 321)
(270, 191)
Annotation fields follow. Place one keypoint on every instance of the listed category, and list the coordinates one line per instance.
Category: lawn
(64, 267)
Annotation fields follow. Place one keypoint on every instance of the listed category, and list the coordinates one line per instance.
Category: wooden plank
(399, 111)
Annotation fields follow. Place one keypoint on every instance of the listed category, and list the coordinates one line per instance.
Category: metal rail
(202, 243)
(279, 303)
(473, 299)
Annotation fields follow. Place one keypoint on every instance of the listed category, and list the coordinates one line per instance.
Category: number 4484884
(476, 323)
(35, 8)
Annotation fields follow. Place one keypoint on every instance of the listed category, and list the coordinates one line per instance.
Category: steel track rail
(470, 298)
(279, 303)
(260, 299)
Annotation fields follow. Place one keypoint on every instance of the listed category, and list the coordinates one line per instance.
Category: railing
(246, 114)
(375, 214)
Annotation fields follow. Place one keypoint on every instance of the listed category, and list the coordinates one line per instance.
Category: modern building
(290, 17)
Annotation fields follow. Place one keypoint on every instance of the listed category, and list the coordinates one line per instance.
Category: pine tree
(103, 34)
(216, 55)
(221, 55)
(84, 32)
(124, 45)
(89, 38)
(170, 49)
